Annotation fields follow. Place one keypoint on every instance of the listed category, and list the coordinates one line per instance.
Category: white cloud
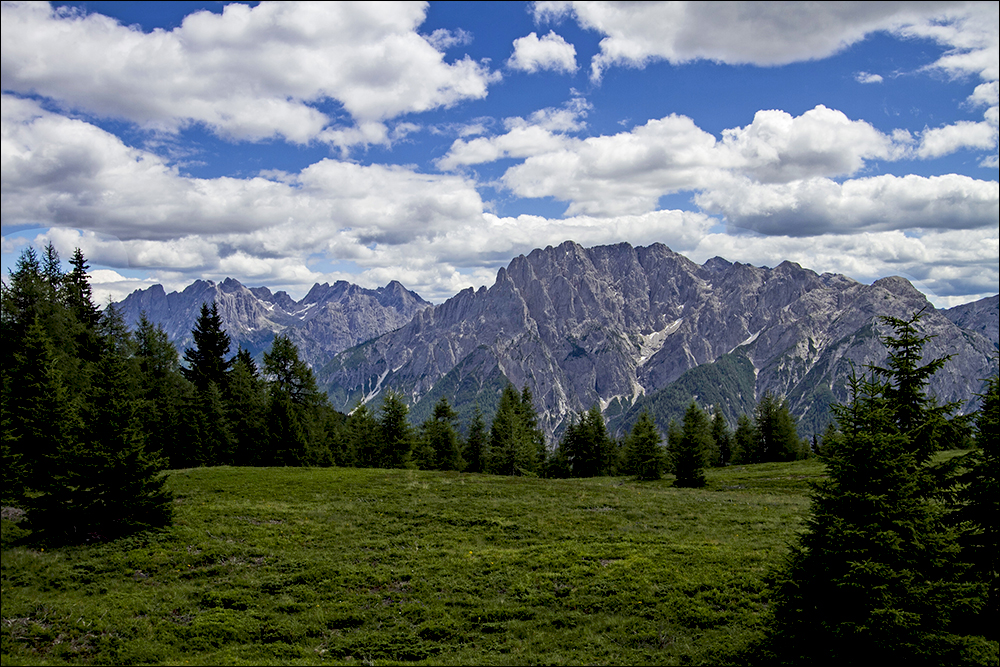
(776, 33)
(950, 138)
(818, 206)
(628, 172)
(950, 266)
(551, 52)
(249, 73)
(821, 142)
(868, 77)
(543, 131)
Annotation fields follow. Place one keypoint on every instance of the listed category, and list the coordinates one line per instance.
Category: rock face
(614, 325)
(330, 318)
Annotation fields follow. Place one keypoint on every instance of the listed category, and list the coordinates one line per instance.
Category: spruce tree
(722, 439)
(778, 439)
(78, 293)
(644, 455)
(689, 456)
(442, 439)
(978, 496)
(364, 438)
(516, 444)
(246, 404)
(876, 578)
(745, 441)
(476, 452)
(206, 361)
(105, 483)
(161, 387)
(397, 436)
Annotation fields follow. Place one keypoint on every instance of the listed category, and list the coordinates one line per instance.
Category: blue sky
(287, 144)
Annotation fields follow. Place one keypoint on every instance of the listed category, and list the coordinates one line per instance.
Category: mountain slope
(610, 324)
(330, 318)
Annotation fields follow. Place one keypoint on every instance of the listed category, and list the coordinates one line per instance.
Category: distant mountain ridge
(330, 318)
(626, 328)
(616, 325)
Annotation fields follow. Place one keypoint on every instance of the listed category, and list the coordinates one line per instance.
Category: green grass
(345, 566)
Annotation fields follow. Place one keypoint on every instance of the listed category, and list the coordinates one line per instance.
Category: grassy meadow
(363, 566)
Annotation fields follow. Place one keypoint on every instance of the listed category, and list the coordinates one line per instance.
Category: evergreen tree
(246, 404)
(105, 484)
(397, 437)
(515, 440)
(161, 389)
(78, 293)
(476, 452)
(206, 361)
(778, 439)
(364, 438)
(695, 441)
(442, 438)
(979, 508)
(644, 455)
(875, 578)
(722, 439)
(43, 418)
(745, 441)
(586, 447)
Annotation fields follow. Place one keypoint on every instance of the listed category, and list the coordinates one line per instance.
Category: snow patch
(652, 343)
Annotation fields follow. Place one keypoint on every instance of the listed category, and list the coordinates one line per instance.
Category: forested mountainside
(626, 328)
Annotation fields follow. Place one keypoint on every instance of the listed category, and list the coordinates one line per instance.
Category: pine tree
(206, 361)
(778, 439)
(246, 404)
(689, 456)
(396, 433)
(644, 454)
(515, 440)
(875, 578)
(364, 437)
(105, 484)
(722, 438)
(442, 438)
(476, 452)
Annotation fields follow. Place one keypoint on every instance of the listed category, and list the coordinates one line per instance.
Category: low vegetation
(363, 566)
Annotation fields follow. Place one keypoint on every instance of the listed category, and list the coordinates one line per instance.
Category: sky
(285, 144)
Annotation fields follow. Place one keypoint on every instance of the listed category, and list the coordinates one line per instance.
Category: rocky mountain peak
(617, 325)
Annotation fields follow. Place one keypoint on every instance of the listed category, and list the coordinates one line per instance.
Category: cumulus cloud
(817, 206)
(950, 266)
(628, 172)
(950, 138)
(543, 131)
(821, 142)
(248, 73)
(636, 34)
(551, 52)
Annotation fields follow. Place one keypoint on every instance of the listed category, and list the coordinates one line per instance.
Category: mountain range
(626, 328)
(330, 318)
